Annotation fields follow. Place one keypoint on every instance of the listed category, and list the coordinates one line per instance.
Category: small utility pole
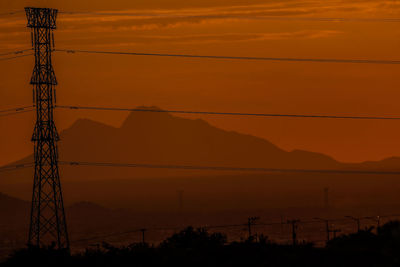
(250, 222)
(180, 201)
(282, 223)
(327, 229)
(357, 220)
(143, 233)
(326, 198)
(334, 231)
(377, 219)
(294, 224)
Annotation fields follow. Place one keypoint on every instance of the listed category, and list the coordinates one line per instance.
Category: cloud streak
(217, 38)
(153, 19)
(87, 25)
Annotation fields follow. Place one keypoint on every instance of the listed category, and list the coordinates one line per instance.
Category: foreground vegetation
(192, 247)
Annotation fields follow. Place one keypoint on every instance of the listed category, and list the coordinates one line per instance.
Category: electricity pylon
(250, 222)
(294, 224)
(47, 226)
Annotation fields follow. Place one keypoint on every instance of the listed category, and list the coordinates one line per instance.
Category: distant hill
(160, 138)
(85, 219)
(12, 204)
(12, 208)
(13, 211)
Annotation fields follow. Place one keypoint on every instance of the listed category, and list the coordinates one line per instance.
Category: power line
(322, 19)
(317, 116)
(220, 168)
(19, 56)
(26, 109)
(16, 52)
(11, 13)
(223, 226)
(153, 229)
(230, 16)
(315, 60)
(16, 167)
(16, 113)
(17, 109)
(126, 232)
(104, 236)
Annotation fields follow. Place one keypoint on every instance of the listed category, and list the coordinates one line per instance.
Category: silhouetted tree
(199, 248)
(191, 238)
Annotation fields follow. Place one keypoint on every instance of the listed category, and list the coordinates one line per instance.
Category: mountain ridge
(152, 137)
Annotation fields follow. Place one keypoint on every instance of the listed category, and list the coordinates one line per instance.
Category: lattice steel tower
(48, 225)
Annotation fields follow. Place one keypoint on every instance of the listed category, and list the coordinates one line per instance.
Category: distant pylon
(326, 198)
(250, 222)
(47, 226)
(294, 224)
(180, 201)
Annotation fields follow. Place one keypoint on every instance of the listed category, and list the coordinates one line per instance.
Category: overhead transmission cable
(222, 168)
(16, 109)
(11, 13)
(231, 16)
(193, 56)
(104, 236)
(15, 113)
(153, 229)
(318, 116)
(161, 229)
(15, 57)
(332, 220)
(16, 167)
(16, 52)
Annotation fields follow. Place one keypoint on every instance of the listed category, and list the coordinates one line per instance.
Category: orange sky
(215, 85)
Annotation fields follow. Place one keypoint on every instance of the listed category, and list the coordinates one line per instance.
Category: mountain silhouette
(161, 138)
(84, 219)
